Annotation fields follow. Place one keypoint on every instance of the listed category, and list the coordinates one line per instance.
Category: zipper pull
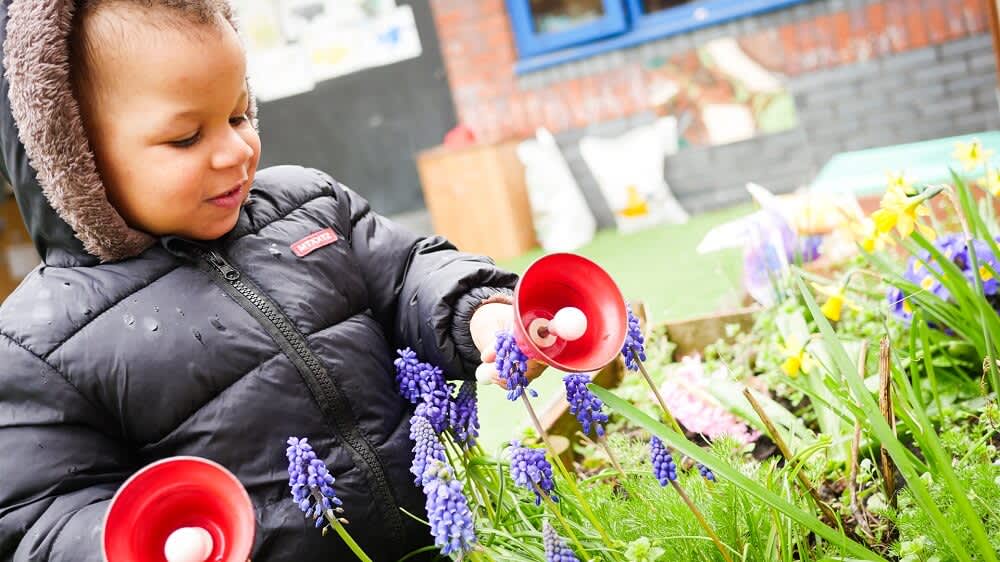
(220, 263)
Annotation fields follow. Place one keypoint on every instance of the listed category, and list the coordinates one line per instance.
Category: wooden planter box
(477, 198)
(17, 253)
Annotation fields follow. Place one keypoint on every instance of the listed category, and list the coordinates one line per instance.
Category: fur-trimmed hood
(44, 146)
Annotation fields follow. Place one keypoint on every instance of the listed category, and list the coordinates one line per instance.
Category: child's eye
(238, 120)
(185, 143)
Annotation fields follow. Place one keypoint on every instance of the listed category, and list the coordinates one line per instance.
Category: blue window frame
(531, 41)
(624, 24)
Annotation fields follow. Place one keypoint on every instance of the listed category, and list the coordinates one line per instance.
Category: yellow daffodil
(971, 154)
(901, 211)
(899, 180)
(991, 182)
(868, 236)
(835, 300)
(795, 357)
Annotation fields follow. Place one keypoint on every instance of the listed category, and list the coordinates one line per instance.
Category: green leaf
(725, 471)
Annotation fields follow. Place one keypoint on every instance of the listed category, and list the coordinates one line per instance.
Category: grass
(658, 266)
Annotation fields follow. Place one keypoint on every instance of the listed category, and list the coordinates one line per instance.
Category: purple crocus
(448, 511)
(583, 404)
(310, 481)
(530, 470)
(465, 414)
(512, 364)
(664, 468)
(633, 341)
(556, 549)
(427, 449)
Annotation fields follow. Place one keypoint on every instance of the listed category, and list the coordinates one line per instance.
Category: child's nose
(232, 151)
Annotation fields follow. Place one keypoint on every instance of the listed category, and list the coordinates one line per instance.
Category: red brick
(977, 15)
(861, 42)
(916, 27)
(826, 42)
(895, 22)
(878, 34)
(937, 25)
(954, 15)
(842, 38)
(789, 37)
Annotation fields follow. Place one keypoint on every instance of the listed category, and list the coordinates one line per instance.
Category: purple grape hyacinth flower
(556, 549)
(423, 384)
(448, 512)
(512, 364)
(408, 374)
(583, 404)
(465, 414)
(664, 468)
(706, 472)
(633, 340)
(529, 469)
(427, 449)
(307, 476)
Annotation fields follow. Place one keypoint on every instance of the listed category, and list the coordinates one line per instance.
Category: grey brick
(982, 62)
(951, 106)
(972, 83)
(920, 94)
(862, 105)
(966, 45)
(977, 121)
(825, 96)
(986, 99)
(941, 72)
(895, 114)
(836, 130)
(906, 61)
(817, 115)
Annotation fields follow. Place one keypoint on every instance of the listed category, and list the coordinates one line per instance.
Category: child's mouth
(230, 199)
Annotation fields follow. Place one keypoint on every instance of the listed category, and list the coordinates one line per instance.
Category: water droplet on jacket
(197, 336)
(150, 324)
(72, 470)
(129, 320)
(156, 309)
(273, 249)
(217, 324)
(66, 285)
(87, 312)
(40, 446)
(179, 311)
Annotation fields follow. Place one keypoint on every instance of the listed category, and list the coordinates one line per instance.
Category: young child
(191, 305)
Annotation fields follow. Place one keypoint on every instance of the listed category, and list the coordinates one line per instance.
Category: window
(549, 32)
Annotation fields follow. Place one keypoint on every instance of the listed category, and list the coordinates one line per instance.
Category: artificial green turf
(658, 266)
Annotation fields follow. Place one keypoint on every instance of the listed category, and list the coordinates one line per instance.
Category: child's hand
(489, 319)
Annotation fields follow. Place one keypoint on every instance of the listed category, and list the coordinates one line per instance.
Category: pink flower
(694, 407)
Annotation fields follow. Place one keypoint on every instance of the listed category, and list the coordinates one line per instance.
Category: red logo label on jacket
(314, 241)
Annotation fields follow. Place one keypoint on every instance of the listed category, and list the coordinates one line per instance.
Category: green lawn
(658, 266)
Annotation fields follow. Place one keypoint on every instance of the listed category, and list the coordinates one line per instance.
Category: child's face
(166, 115)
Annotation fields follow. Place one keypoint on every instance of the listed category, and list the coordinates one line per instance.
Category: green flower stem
(565, 524)
(331, 518)
(656, 391)
(701, 521)
(566, 475)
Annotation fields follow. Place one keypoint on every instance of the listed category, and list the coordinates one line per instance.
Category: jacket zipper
(324, 390)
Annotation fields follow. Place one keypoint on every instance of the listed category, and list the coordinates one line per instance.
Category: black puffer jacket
(222, 350)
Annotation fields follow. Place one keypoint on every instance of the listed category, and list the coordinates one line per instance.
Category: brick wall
(864, 73)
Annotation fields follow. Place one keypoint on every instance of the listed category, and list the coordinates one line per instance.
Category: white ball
(188, 544)
(569, 323)
(484, 374)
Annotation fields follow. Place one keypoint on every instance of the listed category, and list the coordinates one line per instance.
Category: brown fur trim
(36, 56)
